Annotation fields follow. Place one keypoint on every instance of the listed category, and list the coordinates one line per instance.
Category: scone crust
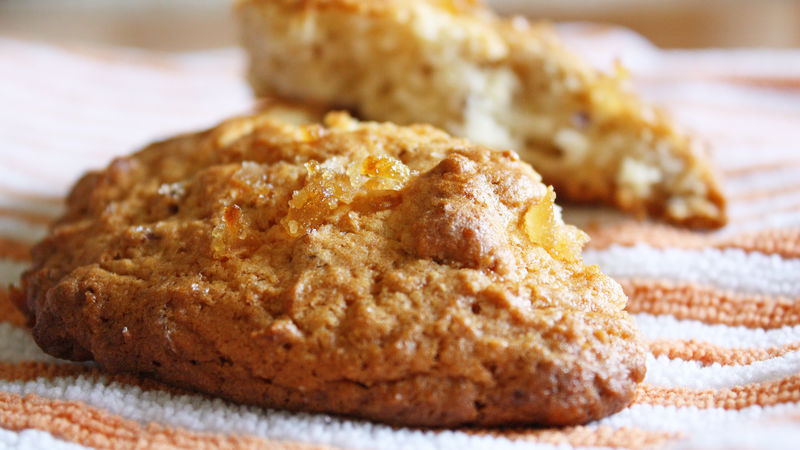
(417, 299)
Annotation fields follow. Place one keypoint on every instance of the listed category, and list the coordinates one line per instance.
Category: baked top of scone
(503, 83)
(385, 272)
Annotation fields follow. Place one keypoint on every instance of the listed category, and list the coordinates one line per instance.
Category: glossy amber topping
(545, 228)
(336, 183)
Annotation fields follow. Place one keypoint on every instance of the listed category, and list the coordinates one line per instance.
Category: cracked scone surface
(502, 83)
(390, 273)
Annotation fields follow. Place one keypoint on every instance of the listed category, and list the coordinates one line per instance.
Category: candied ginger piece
(228, 231)
(545, 227)
(385, 173)
(328, 187)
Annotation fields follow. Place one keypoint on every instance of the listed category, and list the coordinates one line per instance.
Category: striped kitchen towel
(720, 311)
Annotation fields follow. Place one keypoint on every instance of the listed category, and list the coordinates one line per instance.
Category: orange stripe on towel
(9, 311)
(85, 425)
(14, 250)
(625, 437)
(12, 192)
(781, 241)
(708, 354)
(34, 218)
(759, 194)
(689, 301)
(755, 168)
(785, 390)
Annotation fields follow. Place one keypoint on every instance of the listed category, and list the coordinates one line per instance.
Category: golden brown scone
(502, 83)
(365, 269)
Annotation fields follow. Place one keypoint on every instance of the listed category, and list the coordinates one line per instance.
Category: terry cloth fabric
(720, 311)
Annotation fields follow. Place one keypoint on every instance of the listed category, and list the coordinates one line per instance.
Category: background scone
(391, 273)
(503, 83)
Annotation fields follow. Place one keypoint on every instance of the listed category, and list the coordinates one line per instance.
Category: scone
(502, 83)
(390, 273)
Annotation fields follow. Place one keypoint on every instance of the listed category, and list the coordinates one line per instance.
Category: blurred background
(196, 24)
